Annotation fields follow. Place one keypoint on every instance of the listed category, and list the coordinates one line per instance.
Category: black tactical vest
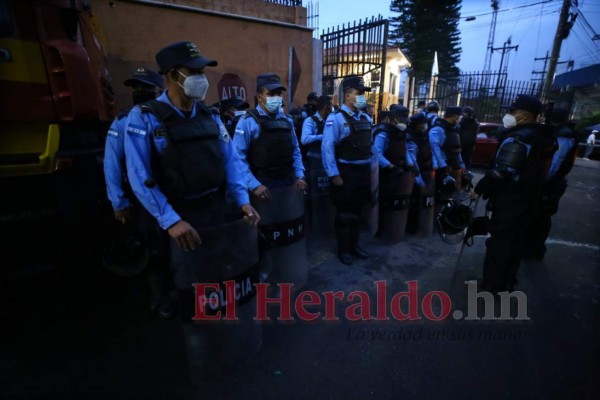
(315, 147)
(543, 146)
(424, 155)
(357, 145)
(396, 150)
(272, 153)
(451, 147)
(192, 164)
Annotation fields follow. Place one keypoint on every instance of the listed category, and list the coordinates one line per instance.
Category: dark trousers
(542, 218)
(349, 200)
(505, 248)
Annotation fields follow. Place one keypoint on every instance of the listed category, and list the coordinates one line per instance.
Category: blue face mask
(273, 103)
(360, 102)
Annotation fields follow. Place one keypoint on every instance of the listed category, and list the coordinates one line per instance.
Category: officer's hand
(123, 216)
(262, 193)
(337, 180)
(300, 185)
(185, 235)
(250, 214)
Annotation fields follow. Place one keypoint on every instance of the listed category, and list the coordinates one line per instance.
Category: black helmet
(453, 220)
(468, 111)
(433, 106)
(448, 185)
(126, 256)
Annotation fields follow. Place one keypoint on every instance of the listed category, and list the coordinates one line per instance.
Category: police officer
(311, 106)
(144, 85)
(347, 155)
(179, 155)
(267, 144)
(232, 109)
(513, 187)
(468, 128)
(433, 109)
(556, 185)
(421, 108)
(419, 153)
(446, 148)
(390, 140)
(312, 129)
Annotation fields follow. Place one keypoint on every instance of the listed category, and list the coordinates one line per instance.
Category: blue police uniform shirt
(411, 160)
(437, 137)
(565, 145)
(336, 128)
(140, 129)
(114, 164)
(309, 132)
(247, 130)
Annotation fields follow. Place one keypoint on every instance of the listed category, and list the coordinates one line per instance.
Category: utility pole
(544, 70)
(504, 49)
(562, 31)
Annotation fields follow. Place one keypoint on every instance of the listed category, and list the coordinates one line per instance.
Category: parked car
(486, 143)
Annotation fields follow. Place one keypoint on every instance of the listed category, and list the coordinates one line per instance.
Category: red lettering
(445, 303)
(412, 298)
(381, 301)
(360, 310)
(314, 300)
(330, 298)
(230, 307)
(201, 301)
(285, 309)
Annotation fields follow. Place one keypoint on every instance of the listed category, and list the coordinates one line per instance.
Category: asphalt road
(80, 332)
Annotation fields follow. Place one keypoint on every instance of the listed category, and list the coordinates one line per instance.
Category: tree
(424, 27)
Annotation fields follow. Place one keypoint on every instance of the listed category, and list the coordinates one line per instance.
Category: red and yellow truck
(56, 103)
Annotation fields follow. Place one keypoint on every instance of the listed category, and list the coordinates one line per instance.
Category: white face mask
(273, 103)
(194, 86)
(239, 113)
(509, 121)
(360, 102)
(401, 126)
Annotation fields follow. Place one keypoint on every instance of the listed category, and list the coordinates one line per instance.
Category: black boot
(343, 234)
(355, 249)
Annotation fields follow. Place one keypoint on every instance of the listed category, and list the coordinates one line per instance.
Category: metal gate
(486, 92)
(356, 49)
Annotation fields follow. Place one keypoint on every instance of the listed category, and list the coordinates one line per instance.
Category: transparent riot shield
(395, 201)
(321, 208)
(426, 204)
(282, 229)
(228, 253)
(374, 205)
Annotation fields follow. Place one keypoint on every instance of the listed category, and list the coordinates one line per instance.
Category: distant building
(585, 85)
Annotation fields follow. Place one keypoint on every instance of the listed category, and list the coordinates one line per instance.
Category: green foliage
(424, 27)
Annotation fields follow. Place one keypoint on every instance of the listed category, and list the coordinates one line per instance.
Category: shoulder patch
(329, 123)
(224, 134)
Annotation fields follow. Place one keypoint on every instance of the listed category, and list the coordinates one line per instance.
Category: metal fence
(486, 92)
(291, 3)
(358, 48)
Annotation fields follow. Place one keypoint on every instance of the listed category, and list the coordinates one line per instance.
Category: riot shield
(282, 228)
(228, 253)
(425, 206)
(321, 209)
(374, 205)
(395, 200)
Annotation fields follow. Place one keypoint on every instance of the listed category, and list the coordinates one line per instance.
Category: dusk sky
(532, 28)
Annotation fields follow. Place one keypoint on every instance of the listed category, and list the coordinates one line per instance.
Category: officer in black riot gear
(556, 184)
(231, 110)
(468, 128)
(514, 185)
(347, 156)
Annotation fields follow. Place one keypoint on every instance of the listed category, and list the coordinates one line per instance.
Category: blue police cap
(270, 81)
(235, 102)
(399, 111)
(418, 119)
(355, 82)
(145, 76)
(184, 54)
(453, 110)
(526, 103)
